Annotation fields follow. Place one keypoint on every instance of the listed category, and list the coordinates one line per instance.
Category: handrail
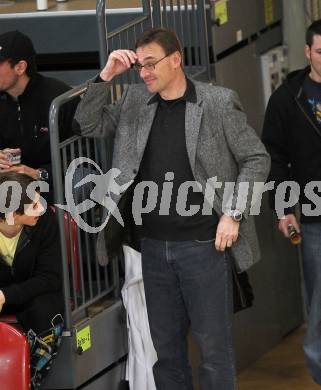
(103, 35)
(202, 25)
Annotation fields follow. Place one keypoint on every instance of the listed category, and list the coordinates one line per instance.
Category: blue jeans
(188, 284)
(311, 257)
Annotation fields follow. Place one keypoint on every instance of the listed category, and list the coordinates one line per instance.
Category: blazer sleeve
(95, 116)
(46, 275)
(249, 152)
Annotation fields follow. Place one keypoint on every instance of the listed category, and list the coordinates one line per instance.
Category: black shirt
(166, 163)
(312, 91)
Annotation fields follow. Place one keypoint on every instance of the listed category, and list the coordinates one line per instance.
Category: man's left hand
(226, 233)
(33, 173)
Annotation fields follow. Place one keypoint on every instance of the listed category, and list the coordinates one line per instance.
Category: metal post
(156, 14)
(203, 36)
(102, 31)
(58, 187)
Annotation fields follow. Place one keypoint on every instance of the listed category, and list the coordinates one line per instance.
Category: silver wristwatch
(236, 215)
(43, 174)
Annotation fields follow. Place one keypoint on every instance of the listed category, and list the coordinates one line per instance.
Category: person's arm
(275, 139)
(253, 164)
(252, 158)
(26, 170)
(47, 273)
(95, 117)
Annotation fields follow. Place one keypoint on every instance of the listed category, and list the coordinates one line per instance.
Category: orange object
(14, 359)
(295, 236)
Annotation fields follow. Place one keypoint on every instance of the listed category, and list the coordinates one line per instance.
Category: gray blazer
(219, 143)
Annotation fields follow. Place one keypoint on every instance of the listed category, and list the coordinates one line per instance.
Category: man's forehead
(150, 51)
(316, 41)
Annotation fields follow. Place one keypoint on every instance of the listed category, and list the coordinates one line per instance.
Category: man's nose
(143, 72)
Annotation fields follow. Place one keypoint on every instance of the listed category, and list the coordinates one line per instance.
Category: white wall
(294, 26)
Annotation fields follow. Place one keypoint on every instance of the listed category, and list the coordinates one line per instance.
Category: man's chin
(151, 87)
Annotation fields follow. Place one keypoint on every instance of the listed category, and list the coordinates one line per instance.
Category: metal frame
(81, 287)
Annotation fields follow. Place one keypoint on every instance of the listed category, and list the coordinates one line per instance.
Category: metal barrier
(85, 282)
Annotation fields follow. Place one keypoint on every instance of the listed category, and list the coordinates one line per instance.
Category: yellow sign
(220, 10)
(269, 11)
(83, 338)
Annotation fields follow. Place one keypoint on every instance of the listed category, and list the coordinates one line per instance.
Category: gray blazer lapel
(145, 121)
(193, 117)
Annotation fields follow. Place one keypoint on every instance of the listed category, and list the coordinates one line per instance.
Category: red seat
(14, 359)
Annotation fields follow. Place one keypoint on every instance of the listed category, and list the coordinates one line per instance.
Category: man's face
(9, 76)
(313, 54)
(159, 79)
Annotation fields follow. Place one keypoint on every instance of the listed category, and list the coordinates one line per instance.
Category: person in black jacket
(292, 136)
(25, 99)
(30, 257)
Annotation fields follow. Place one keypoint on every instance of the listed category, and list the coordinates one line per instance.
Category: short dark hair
(313, 29)
(31, 65)
(24, 182)
(166, 38)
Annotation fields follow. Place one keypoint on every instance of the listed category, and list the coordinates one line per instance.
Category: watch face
(43, 174)
(237, 216)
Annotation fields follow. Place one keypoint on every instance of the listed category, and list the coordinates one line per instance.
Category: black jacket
(37, 264)
(25, 123)
(292, 136)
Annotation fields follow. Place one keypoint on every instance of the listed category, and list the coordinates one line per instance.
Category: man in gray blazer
(182, 143)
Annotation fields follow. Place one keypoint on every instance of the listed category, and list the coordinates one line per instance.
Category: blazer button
(135, 171)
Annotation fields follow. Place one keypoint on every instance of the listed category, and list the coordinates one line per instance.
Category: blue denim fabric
(311, 257)
(188, 284)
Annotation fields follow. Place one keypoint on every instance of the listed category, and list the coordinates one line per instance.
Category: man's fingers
(221, 242)
(218, 240)
(132, 56)
(121, 58)
(229, 243)
(126, 57)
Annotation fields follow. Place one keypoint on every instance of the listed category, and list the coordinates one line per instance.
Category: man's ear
(21, 67)
(307, 52)
(177, 59)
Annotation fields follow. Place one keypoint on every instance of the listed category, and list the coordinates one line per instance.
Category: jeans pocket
(205, 241)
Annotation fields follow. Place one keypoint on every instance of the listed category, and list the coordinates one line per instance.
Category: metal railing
(188, 19)
(85, 282)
